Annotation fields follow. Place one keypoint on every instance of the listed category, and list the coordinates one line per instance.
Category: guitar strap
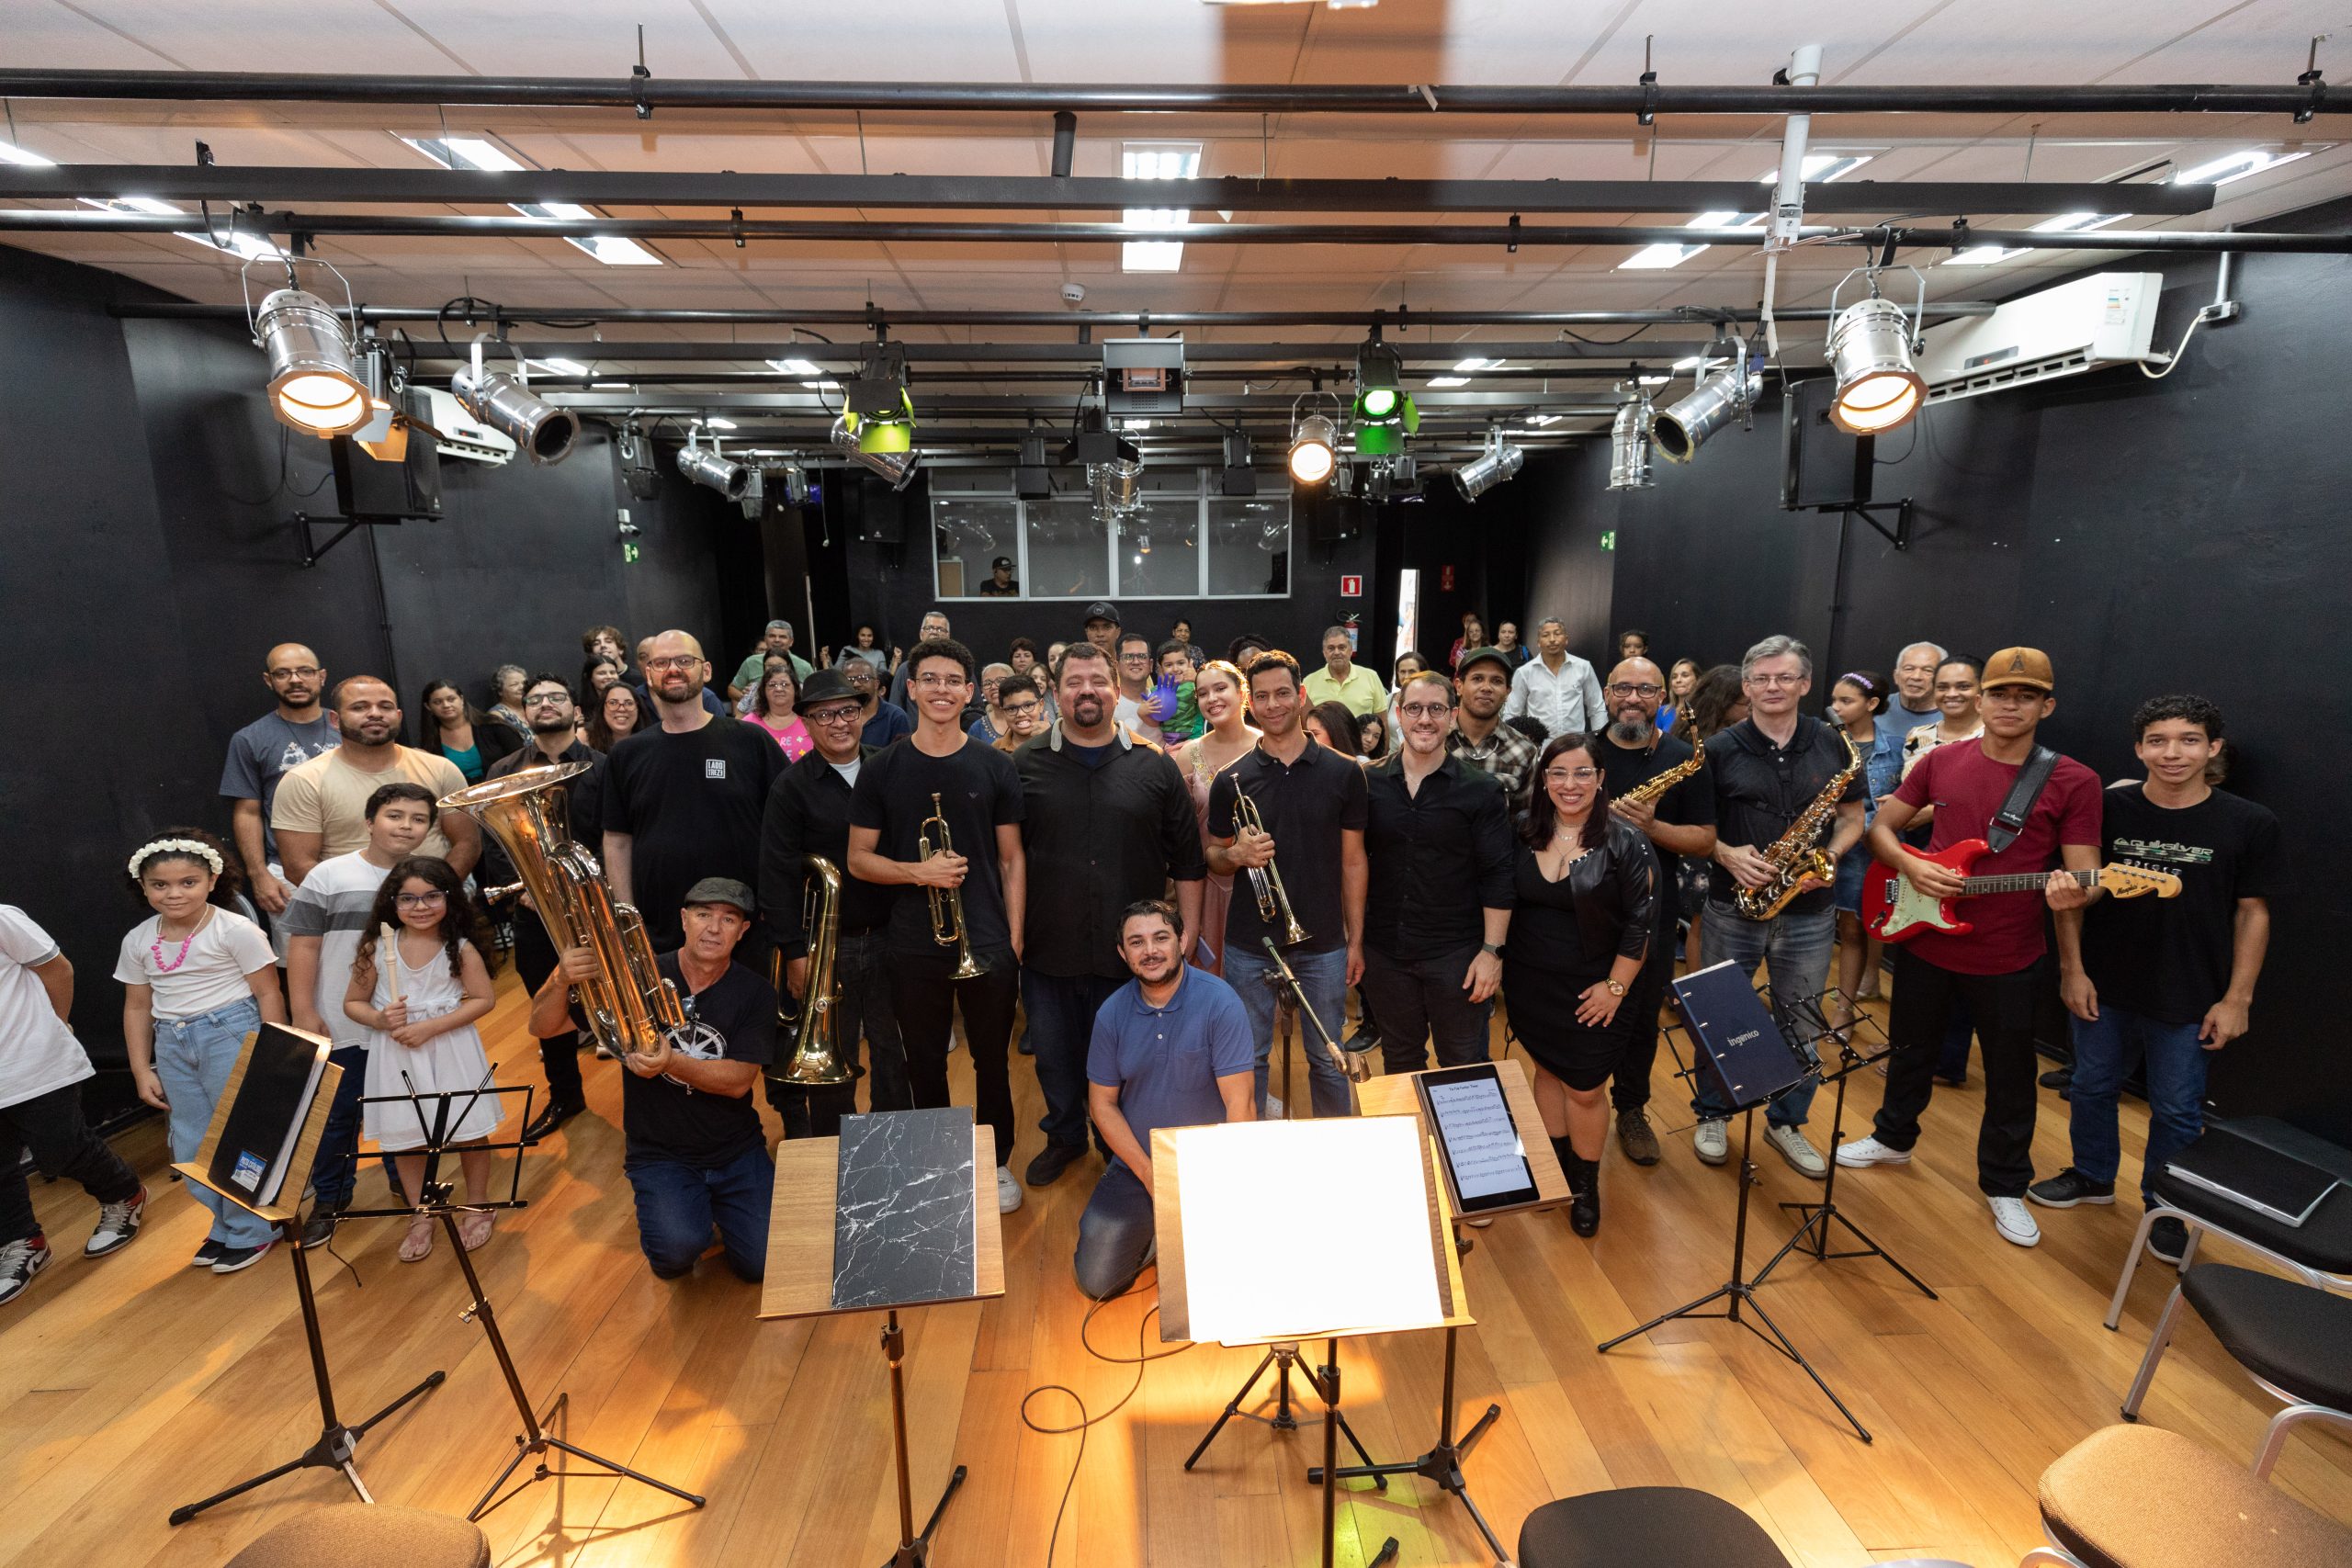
(2009, 821)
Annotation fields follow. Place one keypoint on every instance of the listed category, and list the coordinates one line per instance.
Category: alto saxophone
(1657, 784)
(1797, 854)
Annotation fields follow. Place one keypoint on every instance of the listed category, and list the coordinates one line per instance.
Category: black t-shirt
(692, 804)
(1760, 788)
(2168, 959)
(979, 792)
(664, 1120)
(1689, 804)
(1305, 805)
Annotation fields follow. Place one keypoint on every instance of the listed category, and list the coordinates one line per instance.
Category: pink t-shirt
(793, 736)
(1966, 787)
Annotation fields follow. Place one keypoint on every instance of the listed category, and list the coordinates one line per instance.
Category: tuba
(1266, 881)
(1797, 854)
(815, 1051)
(629, 1006)
(947, 927)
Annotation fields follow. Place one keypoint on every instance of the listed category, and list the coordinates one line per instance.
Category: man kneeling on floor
(1171, 1048)
(697, 1157)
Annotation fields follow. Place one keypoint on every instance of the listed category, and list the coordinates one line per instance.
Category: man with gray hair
(1914, 687)
(1555, 688)
(1765, 771)
(777, 641)
(932, 628)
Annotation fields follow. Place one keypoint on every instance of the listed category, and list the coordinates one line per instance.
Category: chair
(362, 1535)
(1660, 1527)
(2144, 1497)
(2319, 1250)
(2292, 1339)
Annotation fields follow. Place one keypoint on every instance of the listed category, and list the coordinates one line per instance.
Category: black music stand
(437, 1198)
(1812, 1239)
(1743, 1044)
(1290, 1003)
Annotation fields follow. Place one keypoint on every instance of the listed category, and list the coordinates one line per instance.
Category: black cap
(1469, 656)
(1003, 563)
(827, 685)
(723, 890)
(1104, 610)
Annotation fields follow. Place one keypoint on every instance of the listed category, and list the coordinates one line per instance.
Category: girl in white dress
(420, 1001)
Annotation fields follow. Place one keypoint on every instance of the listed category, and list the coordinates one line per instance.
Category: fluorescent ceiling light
(1978, 256)
(823, 386)
(2235, 167)
(2063, 223)
(1655, 381)
(12, 154)
(252, 247)
(1541, 419)
(1449, 381)
(1819, 169)
(1462, 366)
(614, 386)
(1691, 364)
(559, 366)
(1155, 161)
(715, 423)
(794, 367)
(473, 152)
(464, 152)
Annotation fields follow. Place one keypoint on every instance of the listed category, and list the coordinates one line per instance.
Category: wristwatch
(1616, 988)
(1490, 947)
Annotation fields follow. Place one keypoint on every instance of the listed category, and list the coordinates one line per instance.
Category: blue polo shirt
(1165, 1061)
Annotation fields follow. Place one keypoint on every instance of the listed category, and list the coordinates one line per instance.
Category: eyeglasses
(834, 715)
(1135, 659)
(1426, 710)
(940, 683)
(1778, 680)
(298, 672)
(679, 662)
(1621, 690)
(1567, 775)
(1017, 710)
(547, 699)
(419, 900)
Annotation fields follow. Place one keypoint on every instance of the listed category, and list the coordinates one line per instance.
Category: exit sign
(1351, 587)
(1609, 540)
(628, 552)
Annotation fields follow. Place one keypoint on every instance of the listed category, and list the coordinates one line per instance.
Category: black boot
(1584, 1181)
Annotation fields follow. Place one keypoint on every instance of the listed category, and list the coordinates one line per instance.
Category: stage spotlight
(1498, 462)
(896, 466)
(878, 407)
(1879, 387)
(1629, 441)
(313, 385)
(507, 405)
(1314, 449)
(1384, 416)
(1117, 483)
(1238, 478)
(1722, 396)
(637, 462)
(711, 468)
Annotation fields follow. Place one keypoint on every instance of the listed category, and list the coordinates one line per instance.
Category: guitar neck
(2025, 882)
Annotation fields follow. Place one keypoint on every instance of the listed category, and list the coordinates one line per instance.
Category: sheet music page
(1480, 1140)
(1267, 1258)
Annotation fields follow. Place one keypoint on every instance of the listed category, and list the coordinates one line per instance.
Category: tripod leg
(1837, 1216)
(427, 1386)
(1357, 1443)
(1798, 1357)
(1232, 1406)
(621, 1469)
(1470, 1438)
(351, 1474)
(483, 1504)
(187, 1511)
(1688, 1309)
(954, 1480)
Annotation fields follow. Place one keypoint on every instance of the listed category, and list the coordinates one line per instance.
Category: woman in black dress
(1587, 885)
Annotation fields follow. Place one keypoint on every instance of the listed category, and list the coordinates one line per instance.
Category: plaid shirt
(1506, 754)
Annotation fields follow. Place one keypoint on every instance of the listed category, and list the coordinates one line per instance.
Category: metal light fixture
(1116, 485)
(897, 467)
(707, 465)
(876, 403)
(1871, 348)
(1721, 396)
(1629, 441)
(1314, 441)
(1238, 477)
(1500, 461)
(314, 384)
(1384, 415)
(544, 432)
(637, 463)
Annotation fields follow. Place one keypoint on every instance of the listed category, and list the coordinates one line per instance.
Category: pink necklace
(156, 947)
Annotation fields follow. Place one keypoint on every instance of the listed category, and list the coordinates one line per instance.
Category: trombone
(947, 927)
(1266, 881)
(816, 1060)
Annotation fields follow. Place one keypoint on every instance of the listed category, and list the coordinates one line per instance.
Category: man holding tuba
(1300, 871)
(941, 812)
(808, 817)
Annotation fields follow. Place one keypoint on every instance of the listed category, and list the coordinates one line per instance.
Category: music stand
(800, 1284)
(1737, 1032)
(338, 1445)
(1383, 1280)
(1290, 1006)
(1393, 1094)
(438, 1200)
(1812, 1237)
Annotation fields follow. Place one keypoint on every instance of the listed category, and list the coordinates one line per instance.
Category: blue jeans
(2104, 1055)
(194, 1057)
(334, 1174)
(1114, 1235)
(1323, 976)
(678, 1203)
(1798, 948)
(1061, 1026)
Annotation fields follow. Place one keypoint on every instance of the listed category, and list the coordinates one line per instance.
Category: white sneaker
(2014, 1222)
(1274, 1112)
(1802, 1157)
(1712, 1143)
(1008, 1192)
(1869, 1151)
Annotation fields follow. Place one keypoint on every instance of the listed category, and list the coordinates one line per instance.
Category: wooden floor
(133, 1383)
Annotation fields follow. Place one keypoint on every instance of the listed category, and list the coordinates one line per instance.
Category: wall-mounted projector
(463, 435)
(2088, 324)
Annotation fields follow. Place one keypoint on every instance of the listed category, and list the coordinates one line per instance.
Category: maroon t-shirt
(1966, 787)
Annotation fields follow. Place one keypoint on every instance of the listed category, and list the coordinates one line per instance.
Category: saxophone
(1650, 789)
(1797, 854)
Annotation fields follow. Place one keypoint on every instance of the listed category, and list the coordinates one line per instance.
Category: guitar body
(1894, 911)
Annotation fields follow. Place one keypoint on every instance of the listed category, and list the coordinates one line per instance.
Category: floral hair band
(191, 848)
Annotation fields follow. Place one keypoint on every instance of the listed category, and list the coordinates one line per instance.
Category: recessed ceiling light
(794, 367)
(614, 386)
(1462, 366)
(1449, 381)
(1819, 169)
(464, 152)
(12, 154)
(1155, 161)
(559, 366)
(2235, 167)
(252, 247)
(1979, 256)
(823, 386)
(474, 152)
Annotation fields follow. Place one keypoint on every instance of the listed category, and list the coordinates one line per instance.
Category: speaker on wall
(1821, 466)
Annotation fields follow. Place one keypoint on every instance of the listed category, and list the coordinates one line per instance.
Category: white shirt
(225, 948)
(1569, 700)
(37, 1051)
(335, 904)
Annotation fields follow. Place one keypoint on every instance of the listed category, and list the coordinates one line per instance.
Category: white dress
(453, 1061)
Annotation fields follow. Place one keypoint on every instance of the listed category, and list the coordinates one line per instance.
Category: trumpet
(1266, 881)
(816, 1060)
(947, 927)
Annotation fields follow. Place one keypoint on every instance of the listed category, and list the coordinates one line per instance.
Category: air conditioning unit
(2088, 324)
(461, 434)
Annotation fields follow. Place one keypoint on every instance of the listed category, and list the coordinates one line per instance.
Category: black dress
(1566, 935)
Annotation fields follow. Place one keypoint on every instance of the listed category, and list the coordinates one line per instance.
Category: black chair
(2295, 1340)
(2319, 1250)
(1660, 1527)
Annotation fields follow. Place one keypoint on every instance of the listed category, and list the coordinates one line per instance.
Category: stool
(361, 1534)
(1659, 1526)
(2292, 1339)
(2143, 1497)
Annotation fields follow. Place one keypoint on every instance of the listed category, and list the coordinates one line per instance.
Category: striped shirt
(335, 904)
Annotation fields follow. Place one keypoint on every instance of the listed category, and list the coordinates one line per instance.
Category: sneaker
(1008, 1192)
(206, 1255)
(235, 1259)
(1635, 1137)
(1711, 1142)
(1274, 1112)
(2014, 1222)
(1048, 1168)
(118, 1223)
(1802, 1157)
(19, 1261)
(1869, 1151)
(2167, 1240)
(2068, 1188)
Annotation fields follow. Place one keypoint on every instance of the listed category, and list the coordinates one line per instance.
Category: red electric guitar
(1894, 910)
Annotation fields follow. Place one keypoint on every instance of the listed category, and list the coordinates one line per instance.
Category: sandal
(474, 1228)
(418, 1243)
